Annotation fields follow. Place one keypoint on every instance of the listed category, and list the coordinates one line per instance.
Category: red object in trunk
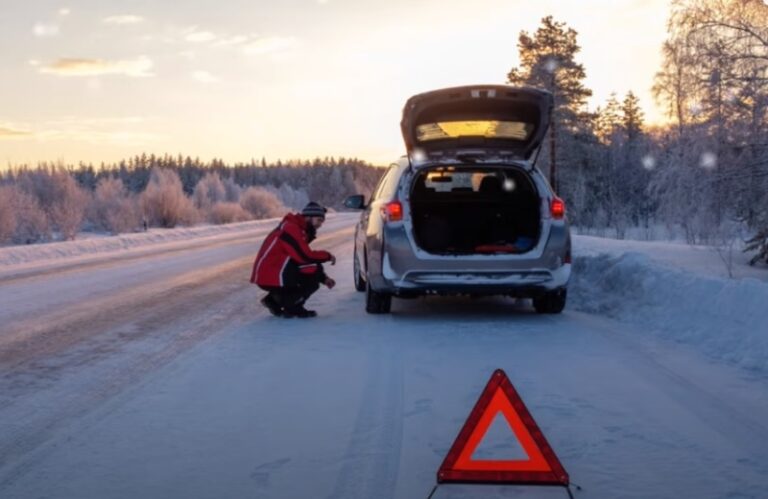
(497, 248)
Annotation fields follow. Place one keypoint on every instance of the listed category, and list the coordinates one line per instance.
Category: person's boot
(299, 312)
(271, 305)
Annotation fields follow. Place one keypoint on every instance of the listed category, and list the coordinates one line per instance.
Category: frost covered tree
(714, 80)
(164, 202)
(608, 120)
(261, 203)
(7, 214)
(295, 198)
(209, 191)
(232, 191)
(548, 61)
(632, 117)
(225, 213)
(23, 220)
(61, 198)
(113, 208)
(618, 178)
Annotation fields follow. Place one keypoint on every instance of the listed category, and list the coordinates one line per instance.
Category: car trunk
(499, 119)
(475, 210)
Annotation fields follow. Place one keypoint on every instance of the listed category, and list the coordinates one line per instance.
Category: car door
(372, 222)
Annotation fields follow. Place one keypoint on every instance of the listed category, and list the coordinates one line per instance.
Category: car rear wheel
(377, 303)
(357, 275)
(552, 302)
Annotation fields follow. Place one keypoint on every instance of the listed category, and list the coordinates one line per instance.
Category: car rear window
(449, 180)
(490, 129)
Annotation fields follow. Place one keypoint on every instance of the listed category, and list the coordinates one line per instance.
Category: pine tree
(632, 116)
(608, 119)
(548, 61)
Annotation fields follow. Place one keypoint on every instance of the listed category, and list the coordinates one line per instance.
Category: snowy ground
(92, 246)
(152, 373)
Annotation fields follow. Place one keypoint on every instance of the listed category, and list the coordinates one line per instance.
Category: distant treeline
(326, 180)
(56, 201)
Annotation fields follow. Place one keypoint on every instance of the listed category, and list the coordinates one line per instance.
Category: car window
(384, 184)
(447, 181)
(389, 186)
(378, 185)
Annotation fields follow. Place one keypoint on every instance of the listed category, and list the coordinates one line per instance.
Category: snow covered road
(158, 377)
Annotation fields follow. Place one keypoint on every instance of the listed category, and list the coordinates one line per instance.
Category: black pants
(291, 298)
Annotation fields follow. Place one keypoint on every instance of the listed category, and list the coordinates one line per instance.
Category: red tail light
(393, 211)
(557, 208)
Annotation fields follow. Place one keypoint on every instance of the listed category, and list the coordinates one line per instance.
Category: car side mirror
(356, 202)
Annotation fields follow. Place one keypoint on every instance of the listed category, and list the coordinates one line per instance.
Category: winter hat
(313, 210)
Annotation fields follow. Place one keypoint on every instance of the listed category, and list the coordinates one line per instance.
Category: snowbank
(15, 258)
(725, 318)
(14, 255)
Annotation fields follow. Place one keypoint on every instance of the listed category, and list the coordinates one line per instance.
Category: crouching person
(287, 268)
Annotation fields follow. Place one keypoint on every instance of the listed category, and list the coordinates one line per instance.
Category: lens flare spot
(708, 160)
(649, 162)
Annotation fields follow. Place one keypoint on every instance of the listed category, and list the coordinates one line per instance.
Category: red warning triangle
(540, 467)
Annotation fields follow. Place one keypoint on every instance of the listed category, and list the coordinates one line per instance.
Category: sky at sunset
(96, 80)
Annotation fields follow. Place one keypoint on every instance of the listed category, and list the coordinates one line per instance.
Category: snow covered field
(150, 372)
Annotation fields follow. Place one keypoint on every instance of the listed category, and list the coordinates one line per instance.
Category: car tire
(377, 303)
(357, 274)
(552, 302)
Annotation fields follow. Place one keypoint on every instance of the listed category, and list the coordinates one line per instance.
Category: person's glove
(332, 260)
(329, 282)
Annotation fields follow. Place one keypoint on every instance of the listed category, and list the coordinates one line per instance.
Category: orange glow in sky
(100, 81)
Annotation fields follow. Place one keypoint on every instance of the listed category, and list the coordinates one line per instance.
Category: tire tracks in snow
(371, 461)
(49, 331)
(736, 424)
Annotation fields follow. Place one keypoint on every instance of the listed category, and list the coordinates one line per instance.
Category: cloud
(120, 130)
(270, 45)
(204, 77)
(80, 122)
(11, 132)
(123, 19)
(200, 36)
(114, 137)
(231, 41)
(45, 29)
(138, 67)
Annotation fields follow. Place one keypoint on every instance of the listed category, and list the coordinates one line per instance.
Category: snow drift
(725, 318)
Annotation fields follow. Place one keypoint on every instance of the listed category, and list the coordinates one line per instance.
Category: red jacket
(284, 252)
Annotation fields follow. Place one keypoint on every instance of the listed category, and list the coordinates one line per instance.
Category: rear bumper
(514, 283)
(405, 272)
(448, 290)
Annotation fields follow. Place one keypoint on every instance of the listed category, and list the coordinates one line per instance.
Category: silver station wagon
(466, 211)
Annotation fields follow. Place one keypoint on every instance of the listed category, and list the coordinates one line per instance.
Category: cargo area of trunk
(475, 210)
